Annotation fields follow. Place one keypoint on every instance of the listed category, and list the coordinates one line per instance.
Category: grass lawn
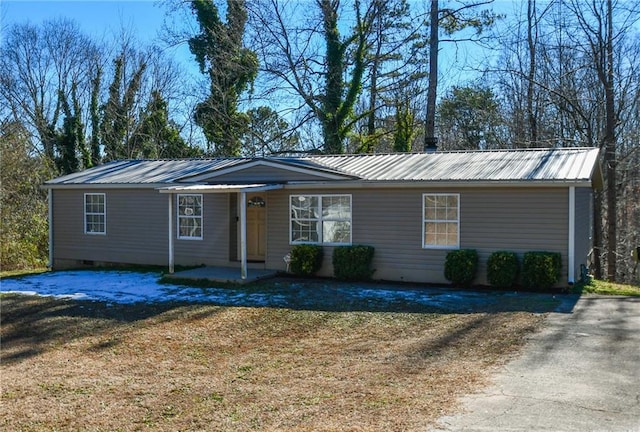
(70, 365)
(595, 286)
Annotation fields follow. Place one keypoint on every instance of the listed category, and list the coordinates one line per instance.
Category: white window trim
(103, 214)
(178, 216)
(321, 220)
(425, 220)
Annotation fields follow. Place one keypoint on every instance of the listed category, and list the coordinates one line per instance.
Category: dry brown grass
(87, 366)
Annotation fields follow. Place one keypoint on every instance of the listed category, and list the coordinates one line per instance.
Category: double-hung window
(95, 213)
(320, 219)
(190, 216)
(441, 221)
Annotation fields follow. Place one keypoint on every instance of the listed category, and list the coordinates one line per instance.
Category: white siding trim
(104, 213)
(321, 221)
(443, 247)
(200, 218)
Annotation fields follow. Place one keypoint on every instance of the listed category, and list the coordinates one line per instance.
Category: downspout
(243, 235)
(571, 259)
(171, 266)
(50, 203)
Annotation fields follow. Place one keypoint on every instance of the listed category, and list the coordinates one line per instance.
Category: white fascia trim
(431, 184)
(282, 166)
(341, 183)
(204, 189)
(103, 186)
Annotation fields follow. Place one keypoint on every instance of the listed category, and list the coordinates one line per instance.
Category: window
(441, 221)
(320, 219)
(95, 214)
(190, 217)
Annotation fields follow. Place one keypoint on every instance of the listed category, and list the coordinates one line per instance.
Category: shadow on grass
(31, 325)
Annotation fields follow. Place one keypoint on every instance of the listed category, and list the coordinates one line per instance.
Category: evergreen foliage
(339, 97)
(23, 205)
(231, 69)
(460, 266)
(306, 259)
(541, 270)
(116, 128)
(353, 262)
(157, 137)
(502, 269)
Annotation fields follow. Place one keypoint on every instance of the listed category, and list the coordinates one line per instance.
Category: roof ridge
(493, 150)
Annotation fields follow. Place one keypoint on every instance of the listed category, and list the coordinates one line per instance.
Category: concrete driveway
(581, 373)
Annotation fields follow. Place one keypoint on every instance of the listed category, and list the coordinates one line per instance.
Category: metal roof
(145, 171)
(565, 165)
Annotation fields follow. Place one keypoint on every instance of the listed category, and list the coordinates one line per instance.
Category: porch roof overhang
(220, 188)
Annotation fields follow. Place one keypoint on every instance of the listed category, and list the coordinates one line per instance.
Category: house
(249, 212)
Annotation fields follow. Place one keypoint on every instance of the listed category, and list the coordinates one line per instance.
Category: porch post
(171, 266)
(243, 235)
(571, 258)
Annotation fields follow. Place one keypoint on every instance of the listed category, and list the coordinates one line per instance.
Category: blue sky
(101, 18)
(95, 17)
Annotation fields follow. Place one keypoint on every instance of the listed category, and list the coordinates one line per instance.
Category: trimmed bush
(460, 266)
(541, 270)
(306, 260)
(502, 269)
(353, 262)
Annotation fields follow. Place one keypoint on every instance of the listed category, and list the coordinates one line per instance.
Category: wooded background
(325, 76)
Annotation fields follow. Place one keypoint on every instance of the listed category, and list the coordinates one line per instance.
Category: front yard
(80, 365)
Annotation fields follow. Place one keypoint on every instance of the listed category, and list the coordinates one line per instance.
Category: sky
(104, 19)
(95, 17)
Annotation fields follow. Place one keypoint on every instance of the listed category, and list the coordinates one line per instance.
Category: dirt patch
(90, 366)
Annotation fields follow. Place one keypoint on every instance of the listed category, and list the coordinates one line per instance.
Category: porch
(224, 274)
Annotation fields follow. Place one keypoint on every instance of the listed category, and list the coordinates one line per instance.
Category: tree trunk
(430, 139)
(610, 150)
(532, 23)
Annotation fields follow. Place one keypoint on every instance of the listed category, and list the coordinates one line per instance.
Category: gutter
(338, 184)
(434, 184)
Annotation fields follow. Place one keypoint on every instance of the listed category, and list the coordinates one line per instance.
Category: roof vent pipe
(430, 144)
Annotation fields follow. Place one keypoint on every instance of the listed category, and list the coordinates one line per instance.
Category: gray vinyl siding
(135, 220)
(213, 249)
(583, 229)
(491, 219)
(517, 219)
(137, 230)
(263, 174)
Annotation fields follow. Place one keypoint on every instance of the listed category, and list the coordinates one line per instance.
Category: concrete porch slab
(223, 274)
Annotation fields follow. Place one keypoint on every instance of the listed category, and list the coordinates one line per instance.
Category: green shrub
(306, 259)
(541, 270)
(353, 262)
(502, 269)
(460, 266)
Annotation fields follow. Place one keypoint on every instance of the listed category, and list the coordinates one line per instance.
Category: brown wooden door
(256, 228)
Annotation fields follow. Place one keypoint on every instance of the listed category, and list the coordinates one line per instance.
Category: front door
(256, 227)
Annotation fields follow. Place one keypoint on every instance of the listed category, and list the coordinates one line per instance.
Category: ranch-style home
(249, 212)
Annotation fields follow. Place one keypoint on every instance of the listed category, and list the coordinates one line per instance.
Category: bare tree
(575, 65)
(40, 65)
